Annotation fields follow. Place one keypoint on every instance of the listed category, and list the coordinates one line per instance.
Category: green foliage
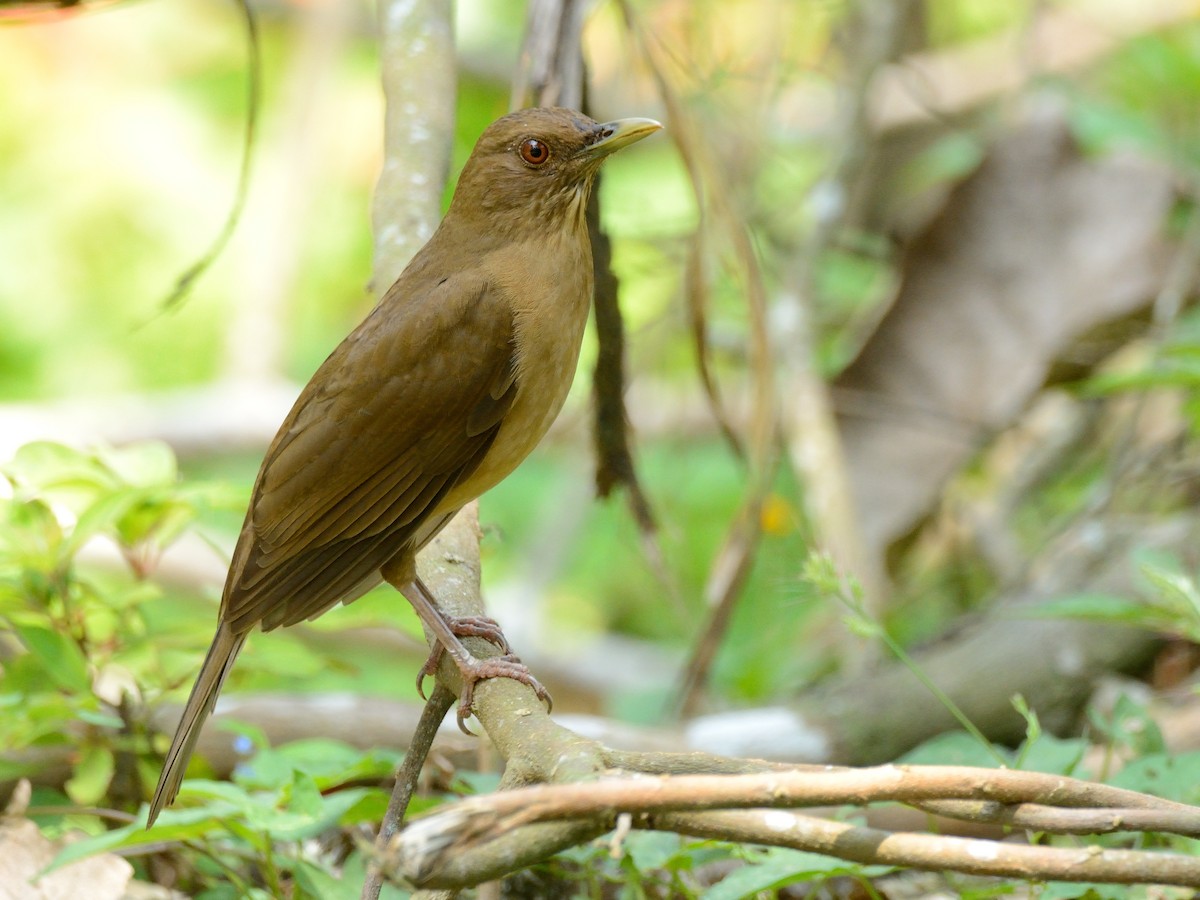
(1169, 601)
(100, 237)
(82, 638)
(820, 571)
(1145, 97)
(1039, 752)
(82, 641)
(776, 867)
(1067, 890)
(649, 864)
(271, 823)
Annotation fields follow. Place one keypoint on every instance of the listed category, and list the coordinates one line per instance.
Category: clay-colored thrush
(439, 394)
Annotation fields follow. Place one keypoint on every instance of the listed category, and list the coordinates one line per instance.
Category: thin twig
(184, 282)
(475, 839)
(407, 774)
(1052, 819)
(872, 846)
(729, 571)
(808, 787)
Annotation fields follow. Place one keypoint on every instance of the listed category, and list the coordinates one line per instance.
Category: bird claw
(479, 626)
(430, 668)
(463, 626)
(507, 666)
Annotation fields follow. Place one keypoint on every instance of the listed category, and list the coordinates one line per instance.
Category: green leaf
(1081, 890)
(144, 464)
(173, 825)
(651, 850)
(58, 656)
(99, 718)
(354, 873)
(93, 774)
(478, 782)
(316, 882)
(370, 807)
(328, 762)
(31, 540)
(307, 812)
(1100, 608)
(46, 466)
(44, 717)
(267, 770)
(99, 517)
(1178, 590)
(223, 791)
(155, 518)
(1052, 755)
(1174, 777)
(304, 797)
(779, 866)
(11, 771)
(1130, 727)
(952, 748)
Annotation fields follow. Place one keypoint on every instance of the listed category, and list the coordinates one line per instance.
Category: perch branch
(872, 846)
(436, 707)
(471, 840)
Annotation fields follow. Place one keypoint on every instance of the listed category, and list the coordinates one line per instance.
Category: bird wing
(402, 411)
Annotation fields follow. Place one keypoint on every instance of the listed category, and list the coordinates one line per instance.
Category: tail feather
(221, 654)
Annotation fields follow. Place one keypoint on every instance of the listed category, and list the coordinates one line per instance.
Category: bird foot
(462, 626)
(474, 670)
(479, 626)
(508, 666)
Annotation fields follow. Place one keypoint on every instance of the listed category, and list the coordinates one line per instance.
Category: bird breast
(549, 292)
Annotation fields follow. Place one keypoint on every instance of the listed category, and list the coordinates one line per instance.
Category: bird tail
(221, 654)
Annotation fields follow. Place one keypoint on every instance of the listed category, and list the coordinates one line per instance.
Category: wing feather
(399, 414)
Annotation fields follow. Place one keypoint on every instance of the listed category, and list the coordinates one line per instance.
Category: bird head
(538, 164)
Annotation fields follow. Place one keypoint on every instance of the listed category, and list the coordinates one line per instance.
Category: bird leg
(447, 630)
(462, 626)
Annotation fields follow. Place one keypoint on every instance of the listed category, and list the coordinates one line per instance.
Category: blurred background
(907, 289)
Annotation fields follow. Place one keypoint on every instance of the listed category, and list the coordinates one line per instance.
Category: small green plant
(89, 640)
(283, 826)
(1168, 601)
(79, 641)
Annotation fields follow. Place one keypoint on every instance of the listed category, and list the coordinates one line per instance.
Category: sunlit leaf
(143, 464)
(58, 655)
(777, 867)
(1175, 777)
(174, 825)
(93, 773)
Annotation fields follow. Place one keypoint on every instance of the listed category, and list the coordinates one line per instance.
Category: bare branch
(468, 841)
(872, 846)
(409, 772)
(1038, 817)
(416, 51)
(811, 786)
(417, 62)
(728, 574)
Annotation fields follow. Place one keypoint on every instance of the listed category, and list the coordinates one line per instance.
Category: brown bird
(437, 396)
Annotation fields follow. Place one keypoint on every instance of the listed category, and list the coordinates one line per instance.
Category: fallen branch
(468, 841)
(871, 846)
(809, 786)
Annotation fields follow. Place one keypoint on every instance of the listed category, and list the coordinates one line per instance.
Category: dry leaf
(24, 852)
(1037, 247)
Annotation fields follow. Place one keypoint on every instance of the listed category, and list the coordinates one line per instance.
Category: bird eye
(534, 152)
